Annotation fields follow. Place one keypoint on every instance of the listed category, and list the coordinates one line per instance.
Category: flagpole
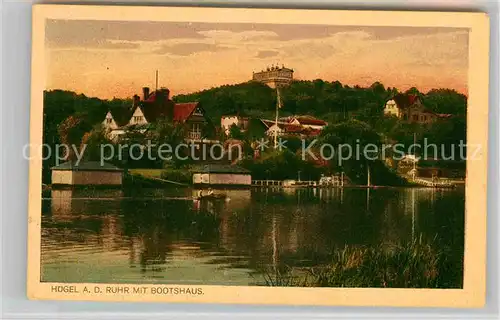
(414, 156)
(278, 105)
(156, 81)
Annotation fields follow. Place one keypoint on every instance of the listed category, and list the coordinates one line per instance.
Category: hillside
(330, 101)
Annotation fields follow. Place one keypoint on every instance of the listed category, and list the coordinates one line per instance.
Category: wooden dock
(284, 183)
(441, 183)
(267, 183)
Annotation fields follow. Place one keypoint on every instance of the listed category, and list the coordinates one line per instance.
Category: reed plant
(416, 264)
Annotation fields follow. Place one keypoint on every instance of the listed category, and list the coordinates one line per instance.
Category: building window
(137, 119)
(415, 117)
(108, 120)
(196, 127)
(195, 132)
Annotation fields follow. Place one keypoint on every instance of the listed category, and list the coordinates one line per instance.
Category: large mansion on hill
(153, 107)
(274, 76)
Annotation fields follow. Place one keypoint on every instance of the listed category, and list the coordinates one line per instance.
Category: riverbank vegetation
(413, 265)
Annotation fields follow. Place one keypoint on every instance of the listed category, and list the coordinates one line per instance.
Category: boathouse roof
(220, 168)
(86, 166)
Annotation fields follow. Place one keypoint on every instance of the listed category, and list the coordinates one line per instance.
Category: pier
(437, 183)
(265, 183)
(284, 183)
(336, 182)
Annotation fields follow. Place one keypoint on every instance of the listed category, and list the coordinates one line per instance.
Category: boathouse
(86, 173)
(217, 174)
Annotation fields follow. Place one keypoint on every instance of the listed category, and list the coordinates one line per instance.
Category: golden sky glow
(116, 59)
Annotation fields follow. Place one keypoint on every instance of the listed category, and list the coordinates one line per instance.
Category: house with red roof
(286, 128)
(302, 125)
(157, 106)
(227, 121)
(307, 122)
(409, 107)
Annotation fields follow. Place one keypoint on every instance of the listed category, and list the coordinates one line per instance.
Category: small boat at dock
(298, 184)
(211, 197)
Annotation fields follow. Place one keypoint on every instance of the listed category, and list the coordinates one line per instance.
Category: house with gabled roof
(157, 106)
(307, 121)
(286, 128)
(409, 107)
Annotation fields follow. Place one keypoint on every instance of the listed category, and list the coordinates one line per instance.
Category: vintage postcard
(258, 156)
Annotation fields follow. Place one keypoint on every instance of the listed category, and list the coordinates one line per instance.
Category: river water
(164, 236)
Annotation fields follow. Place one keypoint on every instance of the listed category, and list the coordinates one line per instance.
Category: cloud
(186, 49)
(267, 54)
(85, 33)
(94, 33)
(236, 37)
(109, 44)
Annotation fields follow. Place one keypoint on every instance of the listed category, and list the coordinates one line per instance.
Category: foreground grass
(414, 265)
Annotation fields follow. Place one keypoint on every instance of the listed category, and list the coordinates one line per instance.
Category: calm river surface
(163, 236)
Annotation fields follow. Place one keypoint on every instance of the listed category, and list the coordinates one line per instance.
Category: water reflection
(167, 236)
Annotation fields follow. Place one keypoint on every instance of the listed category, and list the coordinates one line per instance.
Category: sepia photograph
(176, 152)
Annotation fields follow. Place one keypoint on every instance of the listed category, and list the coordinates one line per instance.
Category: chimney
(160, 96)
(164, 102)
(166, 93)
(145, 93)
(136, 100)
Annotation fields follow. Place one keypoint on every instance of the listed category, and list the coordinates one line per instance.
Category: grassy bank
(414, 265)
(177, 175)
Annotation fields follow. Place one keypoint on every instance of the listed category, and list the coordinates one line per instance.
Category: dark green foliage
(353, 142)
(235, 132)
(58, 105)
(255, 131)
(96, 138)
(319, 98)
(280, 166)
(249, 98)
(446, 101)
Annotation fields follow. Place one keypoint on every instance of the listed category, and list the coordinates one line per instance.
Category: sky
(109, 59)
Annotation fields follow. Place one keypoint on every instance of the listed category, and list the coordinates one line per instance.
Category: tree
(235, 132)
(164, 135)
(255, 130)
(94, 142)
(356, 148)
(281, 165)
(446, 101)
(414, 91)
(71, 132)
